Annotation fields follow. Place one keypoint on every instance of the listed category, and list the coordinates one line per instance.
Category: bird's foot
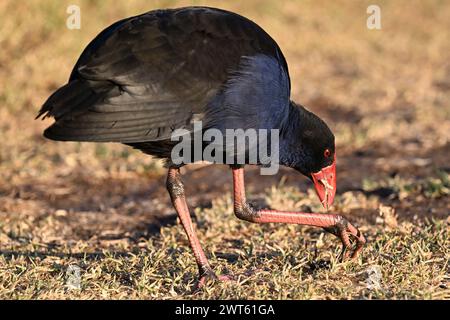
(208, 277)
(343, 230)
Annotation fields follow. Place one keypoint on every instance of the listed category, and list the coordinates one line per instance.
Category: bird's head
(313, 154)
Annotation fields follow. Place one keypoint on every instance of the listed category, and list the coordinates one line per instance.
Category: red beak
(325, 184)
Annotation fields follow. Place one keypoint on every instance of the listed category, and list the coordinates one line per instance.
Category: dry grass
(268, 262)
(103, 207)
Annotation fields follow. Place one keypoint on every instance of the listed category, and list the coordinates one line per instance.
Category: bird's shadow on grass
(153, 228)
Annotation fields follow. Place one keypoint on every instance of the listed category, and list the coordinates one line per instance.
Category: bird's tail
(74, 98)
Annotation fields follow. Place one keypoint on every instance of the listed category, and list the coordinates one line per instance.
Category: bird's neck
(291, 151)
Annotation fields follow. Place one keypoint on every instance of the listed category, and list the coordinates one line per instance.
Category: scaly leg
(332, 223)
(176, 190)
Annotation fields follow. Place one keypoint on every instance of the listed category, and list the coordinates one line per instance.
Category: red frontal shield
(325, 184)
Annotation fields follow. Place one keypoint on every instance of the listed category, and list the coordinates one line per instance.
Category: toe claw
(343, 230)
(210, 277)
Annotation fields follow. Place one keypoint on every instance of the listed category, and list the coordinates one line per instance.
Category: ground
(101, 212)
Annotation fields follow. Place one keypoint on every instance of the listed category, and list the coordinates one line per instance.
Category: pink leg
(176, 190)
(332, 223)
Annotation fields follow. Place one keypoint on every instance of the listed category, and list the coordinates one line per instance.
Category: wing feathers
(141, 133)
(144, 76)
(118, 126)
(84, 114)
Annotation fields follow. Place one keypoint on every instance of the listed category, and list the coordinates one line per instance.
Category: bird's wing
(145, 76)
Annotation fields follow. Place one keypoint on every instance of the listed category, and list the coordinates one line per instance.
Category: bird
(147, 76)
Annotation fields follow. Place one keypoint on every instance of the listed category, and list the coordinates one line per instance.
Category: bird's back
(145, 76)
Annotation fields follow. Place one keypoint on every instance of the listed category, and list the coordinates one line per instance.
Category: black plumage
(146, 75)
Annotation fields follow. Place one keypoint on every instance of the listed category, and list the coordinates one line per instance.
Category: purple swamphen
(146, 76)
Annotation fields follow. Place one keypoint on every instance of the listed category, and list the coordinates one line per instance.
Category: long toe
(210, 278)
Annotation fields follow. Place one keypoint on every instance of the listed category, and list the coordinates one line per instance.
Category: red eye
(327, 153)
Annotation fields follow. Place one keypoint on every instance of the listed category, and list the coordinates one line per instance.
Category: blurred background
(385, 94)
